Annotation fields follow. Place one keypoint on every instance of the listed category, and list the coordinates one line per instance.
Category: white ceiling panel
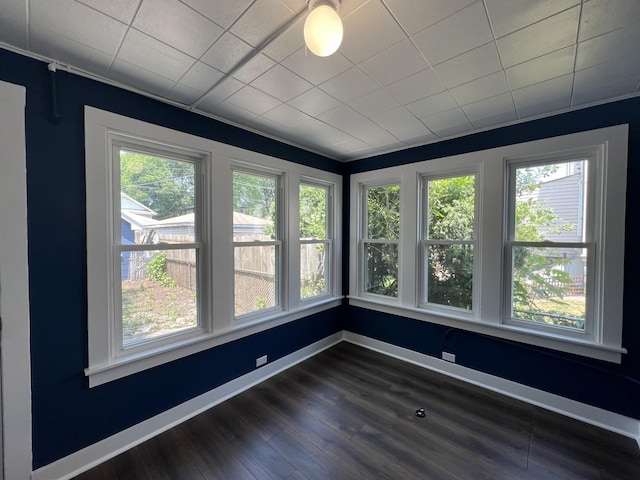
(416, 16)
(14, 24)
(544, 97)
(349, 85)
(369, 30)
(543, 68)
(152, 55)
(420, 85)
(316, 69)
(602, 16)
(395, 63)
(406, 73)
(281, 83)
(445, 39)
(546, 36)
(482, 88)
(222, 12)
(178, 25)
(476, 63)
(507, 16)
(227, 52)
(261, 21)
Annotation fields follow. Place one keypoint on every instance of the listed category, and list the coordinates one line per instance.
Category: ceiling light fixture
(323, 27)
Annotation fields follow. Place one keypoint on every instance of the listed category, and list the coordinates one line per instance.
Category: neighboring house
(134, 218)
(564, 195)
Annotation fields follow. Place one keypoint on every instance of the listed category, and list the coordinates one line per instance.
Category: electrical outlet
(261, 361)
(449, 357)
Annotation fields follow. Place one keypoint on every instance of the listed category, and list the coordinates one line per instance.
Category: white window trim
(218, 323)
(491, 220)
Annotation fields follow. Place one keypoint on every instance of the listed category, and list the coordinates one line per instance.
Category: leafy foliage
(157, 270)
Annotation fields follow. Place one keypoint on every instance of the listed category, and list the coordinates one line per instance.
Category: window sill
(124, 366)
(608, 353)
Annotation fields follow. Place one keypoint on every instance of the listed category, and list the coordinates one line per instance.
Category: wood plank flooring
(349, 413)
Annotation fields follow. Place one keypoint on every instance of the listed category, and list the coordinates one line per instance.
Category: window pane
(383, 212)
(159, 294)
(550, 202)
(450, 275)
(157, 200)
(381, 275)
(255, 278)
(549, 286)
(313, 212)
(313, 270)
(451, 208)
(254, 207)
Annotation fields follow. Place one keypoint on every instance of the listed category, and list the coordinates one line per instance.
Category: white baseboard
(90, 456)
(614, 422)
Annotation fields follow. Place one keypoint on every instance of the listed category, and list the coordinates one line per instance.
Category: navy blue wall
(609, 386)
(67, 415)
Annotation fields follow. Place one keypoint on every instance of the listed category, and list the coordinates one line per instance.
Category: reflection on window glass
(381, 274)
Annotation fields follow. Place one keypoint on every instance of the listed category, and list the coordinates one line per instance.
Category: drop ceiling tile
(395, 63)
(348, 7)
(416, 86)
(233, 113)
(602, 16)
(619, 43)
(369, 30)
(154, 56)
(70, 52)
(476, 63)
(482, 88)
(351, 145)
(431, 105)
(551, 34)
(281, 83)
(351, 122)
(463, 31)
(314, 102)
(286, 115)
(176, 24)
(507, 16)
(374, 103)
(201, 77)
(543, 68)
(261, 21)
(491, 111)
(447, 123)
(349, 85)
(401, 123)
(183, 94)
(319, 134)
(607, 80)
(138, 77)
(253, 100)
(79, 23)
(415, 16)
(544, 97)
(287, 43)
(13, 24)
(585, 93)
(223, 12)
(254, 68)
(226, 53)
(123, 10)
(295, 5)
(316, 69)
(223, 91)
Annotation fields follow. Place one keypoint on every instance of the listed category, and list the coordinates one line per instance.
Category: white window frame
(328, 241)
(218, 324)
(424, 242)
(490, 165)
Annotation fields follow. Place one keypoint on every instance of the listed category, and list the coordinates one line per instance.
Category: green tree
(164, 185)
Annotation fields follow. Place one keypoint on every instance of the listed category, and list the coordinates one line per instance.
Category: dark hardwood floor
(349, 413)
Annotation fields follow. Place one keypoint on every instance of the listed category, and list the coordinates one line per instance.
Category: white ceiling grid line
(406, 74)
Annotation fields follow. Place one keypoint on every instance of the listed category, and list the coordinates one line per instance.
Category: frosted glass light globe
(323, 31)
